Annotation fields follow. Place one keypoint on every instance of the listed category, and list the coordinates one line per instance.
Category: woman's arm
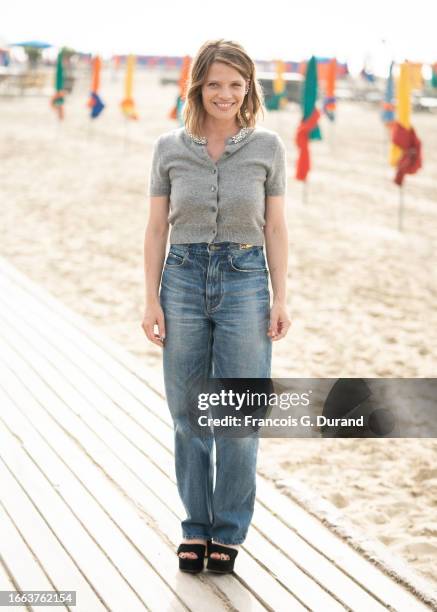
(276, 238)
(155, 242)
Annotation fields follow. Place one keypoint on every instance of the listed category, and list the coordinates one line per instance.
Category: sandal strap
(199, 549)
(218, 548)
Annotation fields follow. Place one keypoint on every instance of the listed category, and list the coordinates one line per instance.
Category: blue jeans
(216, 304)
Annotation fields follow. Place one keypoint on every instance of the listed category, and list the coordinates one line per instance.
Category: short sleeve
(159, 181)
(276, 181)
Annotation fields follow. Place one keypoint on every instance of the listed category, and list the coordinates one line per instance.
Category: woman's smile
(224, 106)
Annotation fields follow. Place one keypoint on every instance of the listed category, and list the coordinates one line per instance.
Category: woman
(219, 182)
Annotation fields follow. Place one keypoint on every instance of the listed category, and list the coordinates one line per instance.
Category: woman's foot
(219, 561)
(191, 555)
(223, 556)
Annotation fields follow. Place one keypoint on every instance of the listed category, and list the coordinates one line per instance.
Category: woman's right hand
(154, 315)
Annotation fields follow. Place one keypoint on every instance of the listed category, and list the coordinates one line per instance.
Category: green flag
(309, 96)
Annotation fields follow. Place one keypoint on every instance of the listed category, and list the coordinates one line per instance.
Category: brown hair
(230, 53)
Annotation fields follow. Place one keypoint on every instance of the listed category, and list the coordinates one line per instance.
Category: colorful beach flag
(128, 104)
(308, 128)
(95, 102)
(177, 110)
(434, 75)
(406, 152)
(279, 96)
(416, 77)
(58, 99)
(329, 101)
(388, 107)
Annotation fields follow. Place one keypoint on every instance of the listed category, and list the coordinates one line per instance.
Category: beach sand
(362, 294)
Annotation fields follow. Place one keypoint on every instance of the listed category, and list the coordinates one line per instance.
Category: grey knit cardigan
(222, 201)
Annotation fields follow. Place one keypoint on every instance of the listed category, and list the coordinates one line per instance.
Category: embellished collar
(233, 139)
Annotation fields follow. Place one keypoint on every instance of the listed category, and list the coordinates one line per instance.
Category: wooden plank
(335, 550)
(68, 529)
(34, 530)
(140, 576)
(6, 584)
(90, 336)
(230, 589)
(342, 561)
(23, 565)
(304, 587)
(332, 578)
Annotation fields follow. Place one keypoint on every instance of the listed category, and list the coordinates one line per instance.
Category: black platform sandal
(219, 566)
(193, 566)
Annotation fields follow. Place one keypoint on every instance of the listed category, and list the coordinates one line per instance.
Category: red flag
(303, 161)
(411, 158)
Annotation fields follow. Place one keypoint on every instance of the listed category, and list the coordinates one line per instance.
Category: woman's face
(223, 91)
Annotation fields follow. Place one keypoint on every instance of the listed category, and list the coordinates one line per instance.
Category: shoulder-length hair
(230, 53)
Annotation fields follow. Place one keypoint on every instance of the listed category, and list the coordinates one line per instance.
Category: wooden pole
(331, 136)
(401, 208)
(304, 191)
(126, 129)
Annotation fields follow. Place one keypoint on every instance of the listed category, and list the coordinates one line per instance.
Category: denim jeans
(216, 304)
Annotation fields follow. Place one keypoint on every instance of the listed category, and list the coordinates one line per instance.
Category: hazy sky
(272, 29)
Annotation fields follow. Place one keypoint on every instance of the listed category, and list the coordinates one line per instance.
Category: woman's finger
(284, 326)
(161, 327)
(149, 331)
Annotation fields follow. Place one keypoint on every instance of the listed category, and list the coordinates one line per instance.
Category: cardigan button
(213, 187)
(214, 171)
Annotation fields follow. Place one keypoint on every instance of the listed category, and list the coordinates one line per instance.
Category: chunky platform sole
(193, 566)
(218, 566)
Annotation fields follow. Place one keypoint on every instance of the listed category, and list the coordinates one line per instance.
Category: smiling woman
(220, 183)
(223, 85)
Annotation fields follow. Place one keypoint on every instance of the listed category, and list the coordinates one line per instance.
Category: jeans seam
(205, 375)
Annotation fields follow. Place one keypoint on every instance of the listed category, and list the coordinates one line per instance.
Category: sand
(362, 294)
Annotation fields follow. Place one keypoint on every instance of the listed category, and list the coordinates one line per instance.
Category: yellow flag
(279, 82)
(403, 107)
(128, 104)
(416, 76)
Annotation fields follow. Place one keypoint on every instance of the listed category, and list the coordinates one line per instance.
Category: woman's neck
(217, 129)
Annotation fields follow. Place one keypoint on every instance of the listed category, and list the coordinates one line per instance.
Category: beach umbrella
(36, 44)
(329, 99)
(128, 104)
(406, 147)
(388, 106)
(58, 99)
(177, 111)
(308, 128)
(94, 102)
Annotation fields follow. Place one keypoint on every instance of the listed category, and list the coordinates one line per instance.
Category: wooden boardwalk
(88, 500)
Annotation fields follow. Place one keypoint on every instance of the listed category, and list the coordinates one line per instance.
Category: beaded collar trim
(234, 139)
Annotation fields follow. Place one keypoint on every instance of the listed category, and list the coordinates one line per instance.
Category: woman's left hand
(279, 321)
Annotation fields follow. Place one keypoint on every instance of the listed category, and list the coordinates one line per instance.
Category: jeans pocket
(250, 260)
(176, 257)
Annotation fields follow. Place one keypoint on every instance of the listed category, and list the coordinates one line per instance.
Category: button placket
(213, 207)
